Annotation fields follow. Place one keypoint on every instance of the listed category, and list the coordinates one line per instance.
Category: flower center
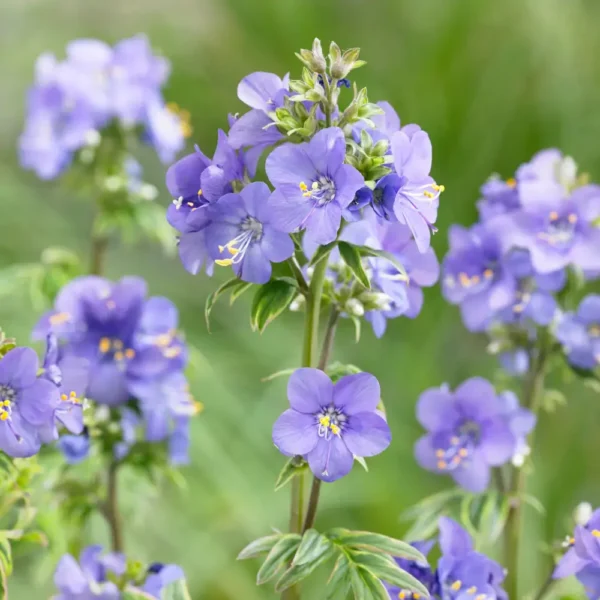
(427, 192)
(457, 586)
(560, 230)
(250, 232)
(7, 397)
(460, 446)
(466, 281)
(114, 349)
(322, 191)
(330, 421)
(70, 397)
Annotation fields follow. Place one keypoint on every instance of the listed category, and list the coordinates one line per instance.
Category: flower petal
(437, 410)
(330, 460)
(309, 390)
(357, 393)
(473, 475)
(290, 164)
(367, 434)
(295, 433)
(19, 368)
(497, 443)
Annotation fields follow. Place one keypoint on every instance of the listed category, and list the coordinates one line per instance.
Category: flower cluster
(506, 270)
(94, 88)
(109, 576)
(330, 424)
(133, 351)
(471, 430)
(582, 558)
(462, 573)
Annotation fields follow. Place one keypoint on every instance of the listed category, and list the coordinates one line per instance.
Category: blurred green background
(491, 81)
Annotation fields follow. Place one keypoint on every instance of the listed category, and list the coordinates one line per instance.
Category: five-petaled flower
(329, 424)
(579, 333)
(468, 432)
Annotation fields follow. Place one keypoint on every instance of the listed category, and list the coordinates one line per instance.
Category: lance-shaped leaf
(352, 258)
(322, 253)
(293, 467)
(367, 251)
(269, 302)
(338, 584)
(237, 287)
(259, 546)
(278, 557)
(375, 542)
(5, 554)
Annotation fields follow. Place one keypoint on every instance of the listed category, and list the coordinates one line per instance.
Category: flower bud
(355, 308)
(583, 513)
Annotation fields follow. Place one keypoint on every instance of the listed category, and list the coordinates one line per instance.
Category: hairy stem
(313, 504)
(309, 359)
(532, 393)
(111, 511)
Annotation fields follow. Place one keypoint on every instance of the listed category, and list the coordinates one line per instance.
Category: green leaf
(312, 547)
(367, 251)
(294, 466)
(357, 325)
(322, 253)
(338, 583)
(177, 590)
(259, 546)
(269, 302)
(130, 593)
(5, 554)
(385, 568)
(373, 584)
(236, 292)
(282, 373)
(279, 555)
(232, 284)
(35, 537)
(298, 572)
(352, 258)
(3, 583)
(376, 542)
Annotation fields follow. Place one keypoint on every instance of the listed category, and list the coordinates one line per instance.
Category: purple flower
(124, 337)
(549, 165)
(75, 448)
(264, 93)
(499, 197)
(129, 424)
(474, 276)
(166, 128)
(589, 577)
(515, 362)
(579, 333)
(241, 234)
(331, 424)
(417, 195)
(312, 185)
(89, 578)
(520, 421)
(421, 571)
(70, 375)
(467, 433)
(463, 573)
(159, 576)
(27, 404)
(584, 550)
(557, 228)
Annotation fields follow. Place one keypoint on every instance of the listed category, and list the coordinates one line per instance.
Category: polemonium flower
(474, 276)
(584, 549)
(557, 227)
(520, 421)
(263, 93)
(514, 362)
(467, 433)
(331, 424)
(420, 571)
(128, 430)
(107, 324)
(89, 578)
(416, 200)
(498, 197)
(464, 573)
(579, 333)
(75, 448)
(312, 185)
(160, 576)
(550, 165)
(167, 128)
(27, 404)
(534, 293)
(242, 234)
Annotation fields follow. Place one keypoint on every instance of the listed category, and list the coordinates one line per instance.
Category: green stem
(309, 359)
(313, 504)
(532, 394)
(546, 586)
(327, 103)
(98, 254)
(111, 511)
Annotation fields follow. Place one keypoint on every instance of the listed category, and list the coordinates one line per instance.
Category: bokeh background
(491, 81)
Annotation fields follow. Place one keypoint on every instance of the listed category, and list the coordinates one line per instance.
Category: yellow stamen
(471, 590)
(454, 440)
(198, 407)
(553, 216)
(164, 339)
(224, 262)
(463, 452)
(334, 429)
(3, 416)
(199, 192)
(324, 421)
(402, 596)
(73, 394)
(118, 345)
(488, 273)
(481, 597)
(6, 403)
(596, 533)
(511, 183)
(464, 279)
(475, 279)
(456, 585)
(442, 464)
(233, 251)
(129, 353)
(173, 352)
(440, 453)
(119, 355)
(59, 318)
(439, 188)
(428, 194)
(572, 218)
(303, 186)
(104, 345)
(416, 595)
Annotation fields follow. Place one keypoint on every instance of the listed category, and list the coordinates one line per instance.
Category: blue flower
(75, 448)
(27, 404)
(159, 576)
(420, 571)
(579, 333)
(312, 185)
